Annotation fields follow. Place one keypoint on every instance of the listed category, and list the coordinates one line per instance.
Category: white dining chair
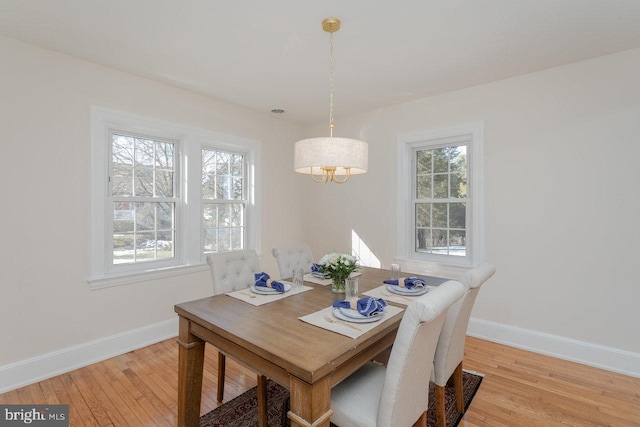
(396, 395)
(292, 256)
(450, 349)
(231, 271)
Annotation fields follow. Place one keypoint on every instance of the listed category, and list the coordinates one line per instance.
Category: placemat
(325, 319)
(259, 299)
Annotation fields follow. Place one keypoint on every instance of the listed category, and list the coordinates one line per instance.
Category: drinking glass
(298, 278)
(395, 271)
(351, 288)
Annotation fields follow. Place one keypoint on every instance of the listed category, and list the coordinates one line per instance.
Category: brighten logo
(37, 415)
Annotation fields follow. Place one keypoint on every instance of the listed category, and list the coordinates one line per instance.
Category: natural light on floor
(360, 250)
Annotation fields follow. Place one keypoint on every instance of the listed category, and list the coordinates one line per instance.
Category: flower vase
(337, 285)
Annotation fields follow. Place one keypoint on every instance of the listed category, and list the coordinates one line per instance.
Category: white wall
(561, 176)
(45, 99)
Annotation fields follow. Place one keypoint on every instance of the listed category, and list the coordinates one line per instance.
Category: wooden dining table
(271, 340)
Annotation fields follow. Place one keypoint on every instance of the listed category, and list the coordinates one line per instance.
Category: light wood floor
(519, 389)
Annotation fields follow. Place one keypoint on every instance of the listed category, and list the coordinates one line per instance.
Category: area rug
(243, 410)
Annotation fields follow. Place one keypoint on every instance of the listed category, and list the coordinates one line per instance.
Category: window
(440, 182)
(440, 199)
(223, 200)
(142, 184)
(146, 222)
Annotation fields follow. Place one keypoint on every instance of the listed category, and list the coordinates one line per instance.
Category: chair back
(405, 392)
(291, 256)
(475, 277)
(450, 351)
(234, 270)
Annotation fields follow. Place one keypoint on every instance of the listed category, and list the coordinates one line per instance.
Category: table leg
(190, 365)
(262, 401)
(310, 403)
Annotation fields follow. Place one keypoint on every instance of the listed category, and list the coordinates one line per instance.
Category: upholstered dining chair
(291, 256)
(231, 271)
(397, 395)
(450, 350)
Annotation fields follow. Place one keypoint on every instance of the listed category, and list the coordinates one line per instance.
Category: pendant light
(328, 158)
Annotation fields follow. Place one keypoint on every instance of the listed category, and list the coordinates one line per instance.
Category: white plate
(338, 314)
(263, 290)
(355, 314)
(404, 291)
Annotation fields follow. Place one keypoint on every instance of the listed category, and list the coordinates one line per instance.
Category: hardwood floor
(520, 388)
(527, 389)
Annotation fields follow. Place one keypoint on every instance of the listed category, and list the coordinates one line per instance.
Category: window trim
(405, 223)
(190, 142)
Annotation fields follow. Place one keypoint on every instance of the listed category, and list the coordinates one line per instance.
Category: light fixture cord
(331, 85)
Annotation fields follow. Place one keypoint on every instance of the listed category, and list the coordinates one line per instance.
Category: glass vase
(337, 285)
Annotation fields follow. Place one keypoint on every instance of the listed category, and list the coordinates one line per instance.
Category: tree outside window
(142, 181)
(223, 200)
(441, 200)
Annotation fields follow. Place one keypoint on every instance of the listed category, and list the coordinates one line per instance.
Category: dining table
(293, 340)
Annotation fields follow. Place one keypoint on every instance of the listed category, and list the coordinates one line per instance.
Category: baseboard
(608, 358)
(48, 365)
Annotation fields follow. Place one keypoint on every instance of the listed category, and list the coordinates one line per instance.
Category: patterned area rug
(243, 410)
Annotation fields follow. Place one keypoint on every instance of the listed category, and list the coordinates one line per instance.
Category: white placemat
(259, 299)
(382, 292)
(325, 319)
(318, 281)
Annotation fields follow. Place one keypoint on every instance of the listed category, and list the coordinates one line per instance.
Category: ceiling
(274, 54)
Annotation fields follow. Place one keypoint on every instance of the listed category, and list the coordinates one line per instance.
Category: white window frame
(407, 144)
(178, 257)
(249, 193)
(189, 255)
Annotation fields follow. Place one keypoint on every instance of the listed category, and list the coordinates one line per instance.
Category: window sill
(448, 271)
(96, 283)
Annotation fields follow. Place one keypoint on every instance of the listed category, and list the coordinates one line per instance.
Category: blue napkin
(261, 280)
(409, 283)
(368, 306)
(317, 270)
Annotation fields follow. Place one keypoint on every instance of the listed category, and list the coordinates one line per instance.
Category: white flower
(339, 265)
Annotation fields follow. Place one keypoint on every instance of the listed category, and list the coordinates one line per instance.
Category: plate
(337, 313)
(355, 314)
(403, 291)
(263, 290)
